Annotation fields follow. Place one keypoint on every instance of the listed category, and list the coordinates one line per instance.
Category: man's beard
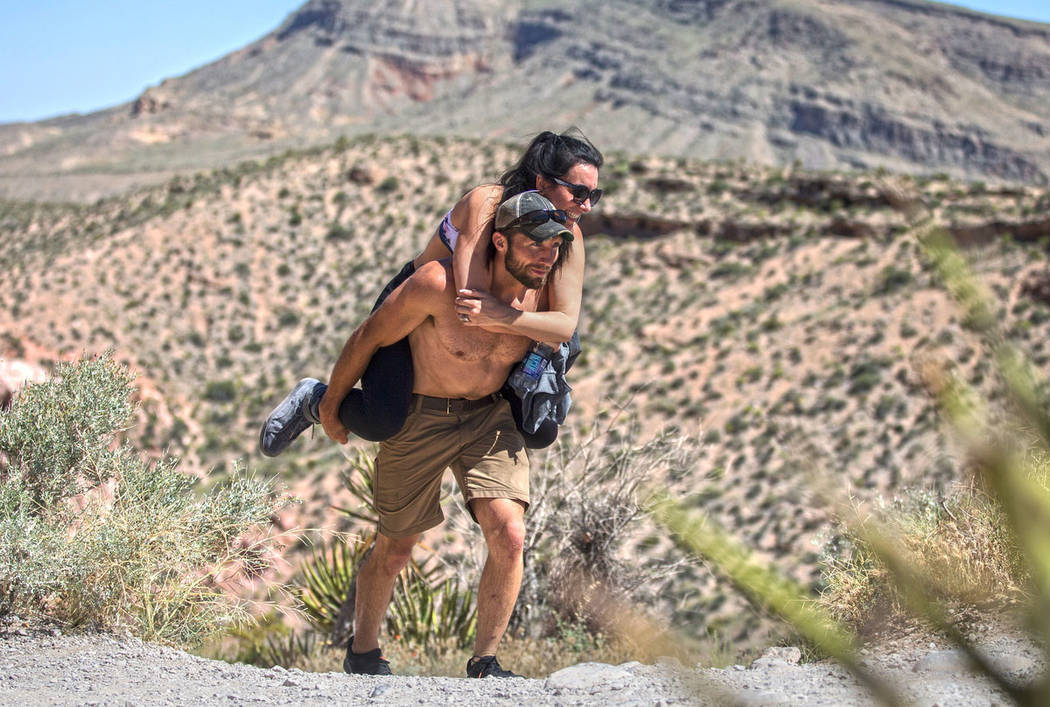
(520, 272)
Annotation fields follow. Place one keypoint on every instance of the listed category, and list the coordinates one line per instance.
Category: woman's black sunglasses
(580, 193)
(535, 218)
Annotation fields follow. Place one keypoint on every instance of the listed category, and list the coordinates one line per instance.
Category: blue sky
(63, 56)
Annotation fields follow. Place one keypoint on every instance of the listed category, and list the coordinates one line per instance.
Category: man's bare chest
(472, 344)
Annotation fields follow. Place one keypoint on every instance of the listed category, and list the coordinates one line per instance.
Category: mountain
(906, 85)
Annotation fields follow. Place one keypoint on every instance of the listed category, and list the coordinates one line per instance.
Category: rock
(637, 225)
(1015, 665)
(1036, 285)
(951, 661)
(152, 101)
(669, 661)
(780, 655)
(380, 689)
(590, 677)
(365, 174)
(14, 375)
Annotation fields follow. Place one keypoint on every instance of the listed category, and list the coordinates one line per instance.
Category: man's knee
(502, 521)
(510, 539)
(391, 555)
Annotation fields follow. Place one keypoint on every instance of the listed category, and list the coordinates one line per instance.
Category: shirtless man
(457, 420)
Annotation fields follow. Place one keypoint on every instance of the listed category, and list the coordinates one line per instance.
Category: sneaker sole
(287, 410)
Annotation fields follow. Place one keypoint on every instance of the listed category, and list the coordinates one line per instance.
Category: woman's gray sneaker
(487, 666)
(296, 413)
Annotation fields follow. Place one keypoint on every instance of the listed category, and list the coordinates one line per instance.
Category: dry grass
(964, 541)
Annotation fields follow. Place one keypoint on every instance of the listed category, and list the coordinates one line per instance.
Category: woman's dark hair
(551, 155)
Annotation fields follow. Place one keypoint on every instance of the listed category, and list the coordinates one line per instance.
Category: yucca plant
(287, 650)
(328, 577)
(427, 613)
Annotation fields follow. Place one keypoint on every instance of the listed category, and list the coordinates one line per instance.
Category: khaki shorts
(483, 447)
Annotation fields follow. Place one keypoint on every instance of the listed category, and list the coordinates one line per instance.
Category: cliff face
(910, 86)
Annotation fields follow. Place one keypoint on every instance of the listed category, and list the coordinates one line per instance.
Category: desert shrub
(587, 501)
(963, 540)
(892, 279)
(730, 269)
(338, 232)
(57, 435)
(287, 318)
(220, 391)
(388, 185)
(94, 534)
(865, 375)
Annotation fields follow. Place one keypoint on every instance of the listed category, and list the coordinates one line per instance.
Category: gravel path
(44, 666)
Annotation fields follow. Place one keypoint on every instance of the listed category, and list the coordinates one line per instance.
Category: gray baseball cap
(533, 215)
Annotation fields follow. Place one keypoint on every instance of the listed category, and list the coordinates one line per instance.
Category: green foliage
(338, 232)
(865, 375)
(57, 438)
(426, 613)
(287, 318)
(730, 269)
(327, 579)
(892, 279)
(145, 551)
(265, 643)
(388, 185)
(766, 587)
(964, 541)
(220, 391)
(428, 610)
(717, 186)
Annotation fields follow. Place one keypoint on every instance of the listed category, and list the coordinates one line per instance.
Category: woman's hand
(479, 308)
(328, 409)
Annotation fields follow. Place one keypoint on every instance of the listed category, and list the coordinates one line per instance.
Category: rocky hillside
(784, 315)
(908, 85)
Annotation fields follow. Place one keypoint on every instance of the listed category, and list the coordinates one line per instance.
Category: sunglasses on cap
(535, 218)
(580, 193)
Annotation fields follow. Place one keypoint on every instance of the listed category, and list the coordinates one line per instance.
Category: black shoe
(486, 666)
(296, 413)
(369, 663)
